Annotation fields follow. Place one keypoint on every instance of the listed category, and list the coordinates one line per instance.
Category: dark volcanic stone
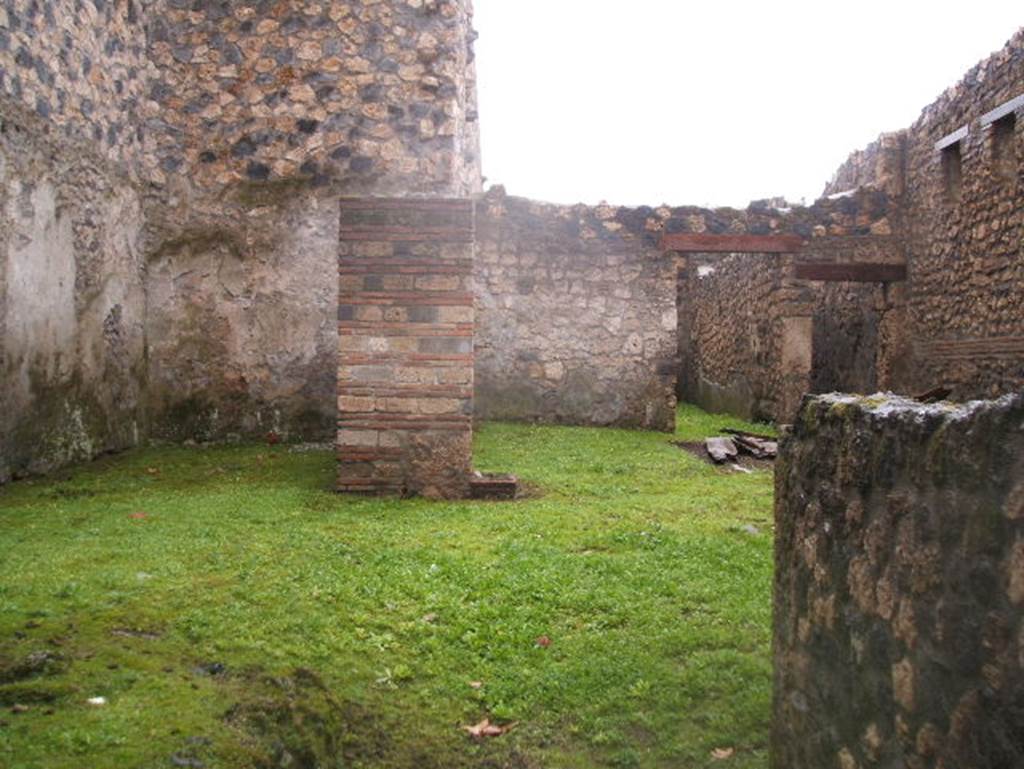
(361, 164)
(257, 171)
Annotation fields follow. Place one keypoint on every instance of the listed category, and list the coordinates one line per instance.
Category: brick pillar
(405, 320)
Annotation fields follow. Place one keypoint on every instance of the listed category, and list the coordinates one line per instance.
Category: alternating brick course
(405, 326)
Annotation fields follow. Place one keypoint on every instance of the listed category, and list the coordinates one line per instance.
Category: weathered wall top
(899, 588)
(883, 163)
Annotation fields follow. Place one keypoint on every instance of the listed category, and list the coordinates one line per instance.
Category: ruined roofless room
(320, 449)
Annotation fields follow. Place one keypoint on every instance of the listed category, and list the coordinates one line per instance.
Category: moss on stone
(873, 401)
(199, 240)
(190, 418)
(68, 423)
(275, 192)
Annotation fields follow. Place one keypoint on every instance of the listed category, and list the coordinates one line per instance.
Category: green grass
(350, 629)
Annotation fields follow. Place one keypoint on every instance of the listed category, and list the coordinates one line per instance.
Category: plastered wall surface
(241, 329)
(71, 302)
(576, 318)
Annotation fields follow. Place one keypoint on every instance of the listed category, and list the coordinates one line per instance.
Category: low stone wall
(576, 316)
(899, 587)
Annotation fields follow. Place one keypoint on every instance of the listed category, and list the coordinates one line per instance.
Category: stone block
(897, 586)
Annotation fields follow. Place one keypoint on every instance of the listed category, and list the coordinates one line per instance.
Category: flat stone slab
(493, 486)
(721, 449)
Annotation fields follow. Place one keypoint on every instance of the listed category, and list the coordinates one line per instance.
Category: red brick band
(994, 347)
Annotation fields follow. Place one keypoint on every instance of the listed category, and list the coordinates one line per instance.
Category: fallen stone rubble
(727, 448)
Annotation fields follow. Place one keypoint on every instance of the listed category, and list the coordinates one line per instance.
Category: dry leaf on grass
(720, 754)
(486, 729)
(476, 684)
(543, 642)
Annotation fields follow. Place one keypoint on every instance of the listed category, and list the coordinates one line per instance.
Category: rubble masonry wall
(959, 322)
(899, 585)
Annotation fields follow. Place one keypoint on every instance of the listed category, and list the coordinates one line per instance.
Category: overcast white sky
(715, 102)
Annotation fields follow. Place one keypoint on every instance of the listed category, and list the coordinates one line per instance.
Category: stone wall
(880, 165)
(196, 151)
(967, 255)
(899, 586)
(574, 305)
(405, 326)
(576, 319)
(71, 300)
(731, 350)
(378, 97)
(72, 304)
(270, 112)
(81, 65)
(954, 322)
(959, 323)
(753, 338)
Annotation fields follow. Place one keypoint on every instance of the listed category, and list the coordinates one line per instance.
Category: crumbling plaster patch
(72, 301)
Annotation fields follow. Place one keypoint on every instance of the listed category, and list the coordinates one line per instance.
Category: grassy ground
(234, 612)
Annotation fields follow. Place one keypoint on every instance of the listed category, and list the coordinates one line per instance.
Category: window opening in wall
(952, 171)
(1004, 147)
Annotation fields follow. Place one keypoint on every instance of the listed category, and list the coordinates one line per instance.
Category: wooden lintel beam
(854, 272)
(702, 242)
